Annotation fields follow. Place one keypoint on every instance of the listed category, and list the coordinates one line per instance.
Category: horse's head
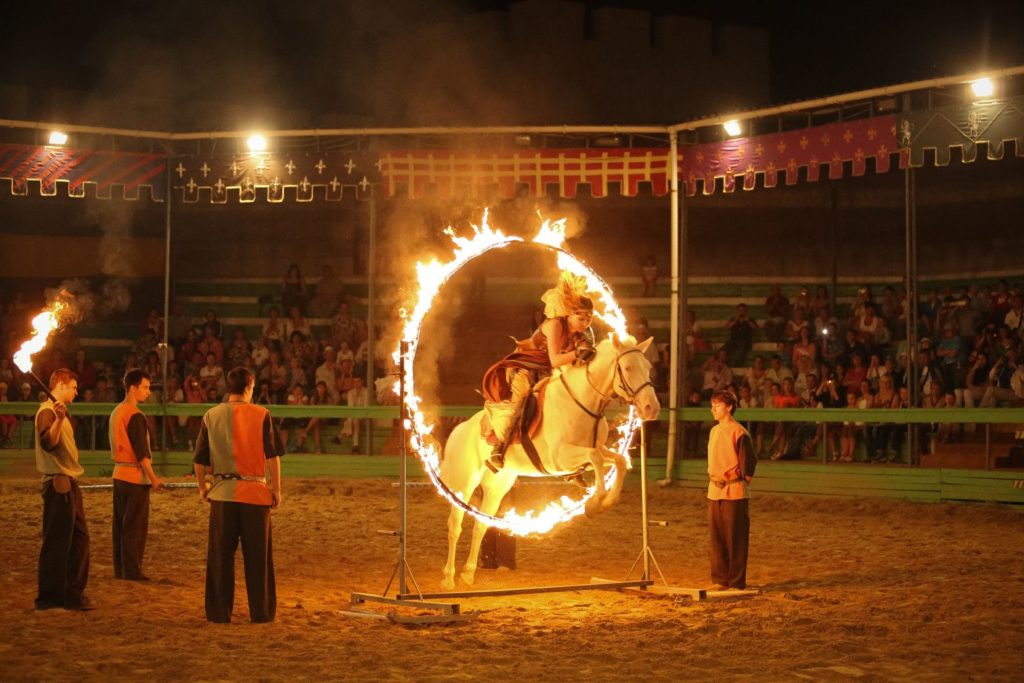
(632, 373)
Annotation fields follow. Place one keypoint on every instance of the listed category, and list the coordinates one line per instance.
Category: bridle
(628, 392)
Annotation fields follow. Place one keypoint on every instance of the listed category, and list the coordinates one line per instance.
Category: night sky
(277, 49)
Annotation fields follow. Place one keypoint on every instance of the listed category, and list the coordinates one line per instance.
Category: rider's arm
(553, 331)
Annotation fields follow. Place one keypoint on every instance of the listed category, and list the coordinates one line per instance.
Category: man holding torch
(64, 556)
(133, 477)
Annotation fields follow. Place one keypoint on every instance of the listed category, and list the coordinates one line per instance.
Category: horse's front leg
(594, 504)
(495, 487)
(454, 531)
(615, 492)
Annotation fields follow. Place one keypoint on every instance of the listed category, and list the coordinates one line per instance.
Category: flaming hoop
(431, 279)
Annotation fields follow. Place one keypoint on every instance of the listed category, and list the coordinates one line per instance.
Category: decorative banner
(767, 155)
(992, 122)
(77, 168)
(336, 174)
(417, 173)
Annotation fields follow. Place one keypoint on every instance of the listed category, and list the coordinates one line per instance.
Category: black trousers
(729, 524)
(131, 525)
(64, 557)
(230, 522)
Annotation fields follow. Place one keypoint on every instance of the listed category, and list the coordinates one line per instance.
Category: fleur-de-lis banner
(989, 122)
(305, 176)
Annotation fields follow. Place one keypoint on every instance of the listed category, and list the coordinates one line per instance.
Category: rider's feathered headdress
(570, 294)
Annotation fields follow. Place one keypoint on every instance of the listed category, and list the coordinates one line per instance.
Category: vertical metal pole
(643, 501)
(673, 373)
(403, 415)
(911, 305)
(371, 298)
(167, 304)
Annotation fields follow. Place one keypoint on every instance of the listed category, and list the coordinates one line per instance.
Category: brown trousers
(729, 524)
(64, 556)
(230, 522)
(130, 527)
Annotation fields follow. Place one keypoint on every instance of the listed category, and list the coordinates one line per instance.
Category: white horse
(573, 416)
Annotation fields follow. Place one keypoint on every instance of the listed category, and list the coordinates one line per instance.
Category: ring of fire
(431, 279)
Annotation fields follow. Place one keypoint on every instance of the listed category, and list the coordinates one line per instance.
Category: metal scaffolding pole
(673, 373)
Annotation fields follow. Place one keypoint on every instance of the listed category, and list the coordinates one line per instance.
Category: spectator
(193, 394)
(211, 343)
(273, 331)
(828, 396)
(211, 321)
(293, 289)
(777, 306)
(950, 432)
(821, 300)
(778, 372)
(211, 376)
(786, 398)
(649, 274)
(853, 347)
(155, 323)
(855, 374)
(804, 352)
(345, 353)
(296, 397)
(355, 397)
(275, 374)
(928, 373)
(320, 397)
(948, 352)
(695, 334)
(794, 326)
(717, 375)
(871, 330)
(85, 369)
(741, 336)
(344, 327)
(173, 425)
(928, 314)
(329, 293)
(757, 380)
(327, 372)
(1006, 382)
(297, 323)
(297, 373)
(1001, 301)
(178, 324)
(756, 429)
(239, 352)
(345, 379)
(976, 379)
(8, 423)
(874, 372)
(803, 304)
(260, 354)
(851, 430)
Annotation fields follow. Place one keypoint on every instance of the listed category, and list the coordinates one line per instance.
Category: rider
(560, 340)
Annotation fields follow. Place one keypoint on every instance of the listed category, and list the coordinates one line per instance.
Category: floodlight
(257, 143)
(732, 128)
(983, 87)
(58, 138)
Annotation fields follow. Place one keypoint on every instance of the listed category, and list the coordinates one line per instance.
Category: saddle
(529, 421)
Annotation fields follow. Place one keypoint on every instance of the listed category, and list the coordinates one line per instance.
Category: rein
(605, 396)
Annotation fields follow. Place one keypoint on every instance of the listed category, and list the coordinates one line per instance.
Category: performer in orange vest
(134, 477)
(64, 557)
(731, 464)
(238, 445)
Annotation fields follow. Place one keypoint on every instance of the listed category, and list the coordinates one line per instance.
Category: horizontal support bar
(407, 601)
(530, 590)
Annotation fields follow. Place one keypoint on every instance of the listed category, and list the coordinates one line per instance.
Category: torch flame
(431, 277)
(42, 325)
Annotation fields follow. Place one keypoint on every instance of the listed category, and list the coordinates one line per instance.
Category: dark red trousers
(64, 557)
(729, 524)
(229, 523)
(131, 525)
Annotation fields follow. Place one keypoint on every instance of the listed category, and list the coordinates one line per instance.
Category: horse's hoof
(447, 583)
(468, 578)
(592, 507)
(608, 503)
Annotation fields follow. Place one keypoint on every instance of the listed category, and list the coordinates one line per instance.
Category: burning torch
(42, 326)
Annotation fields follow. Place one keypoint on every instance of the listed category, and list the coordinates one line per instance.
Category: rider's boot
(497, 460)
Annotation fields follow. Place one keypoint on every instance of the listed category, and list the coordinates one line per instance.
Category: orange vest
(239, 463)
(126, 460)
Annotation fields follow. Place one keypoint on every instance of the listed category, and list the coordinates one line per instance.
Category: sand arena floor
(853, 589)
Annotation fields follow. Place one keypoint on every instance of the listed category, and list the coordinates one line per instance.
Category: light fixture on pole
(983, 87)
(57, 138)
(732, 128)
(257, 143)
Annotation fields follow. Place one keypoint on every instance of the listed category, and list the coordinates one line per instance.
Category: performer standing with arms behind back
(64, 557)
(134, 477)
(731, 464)
(239, 446)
